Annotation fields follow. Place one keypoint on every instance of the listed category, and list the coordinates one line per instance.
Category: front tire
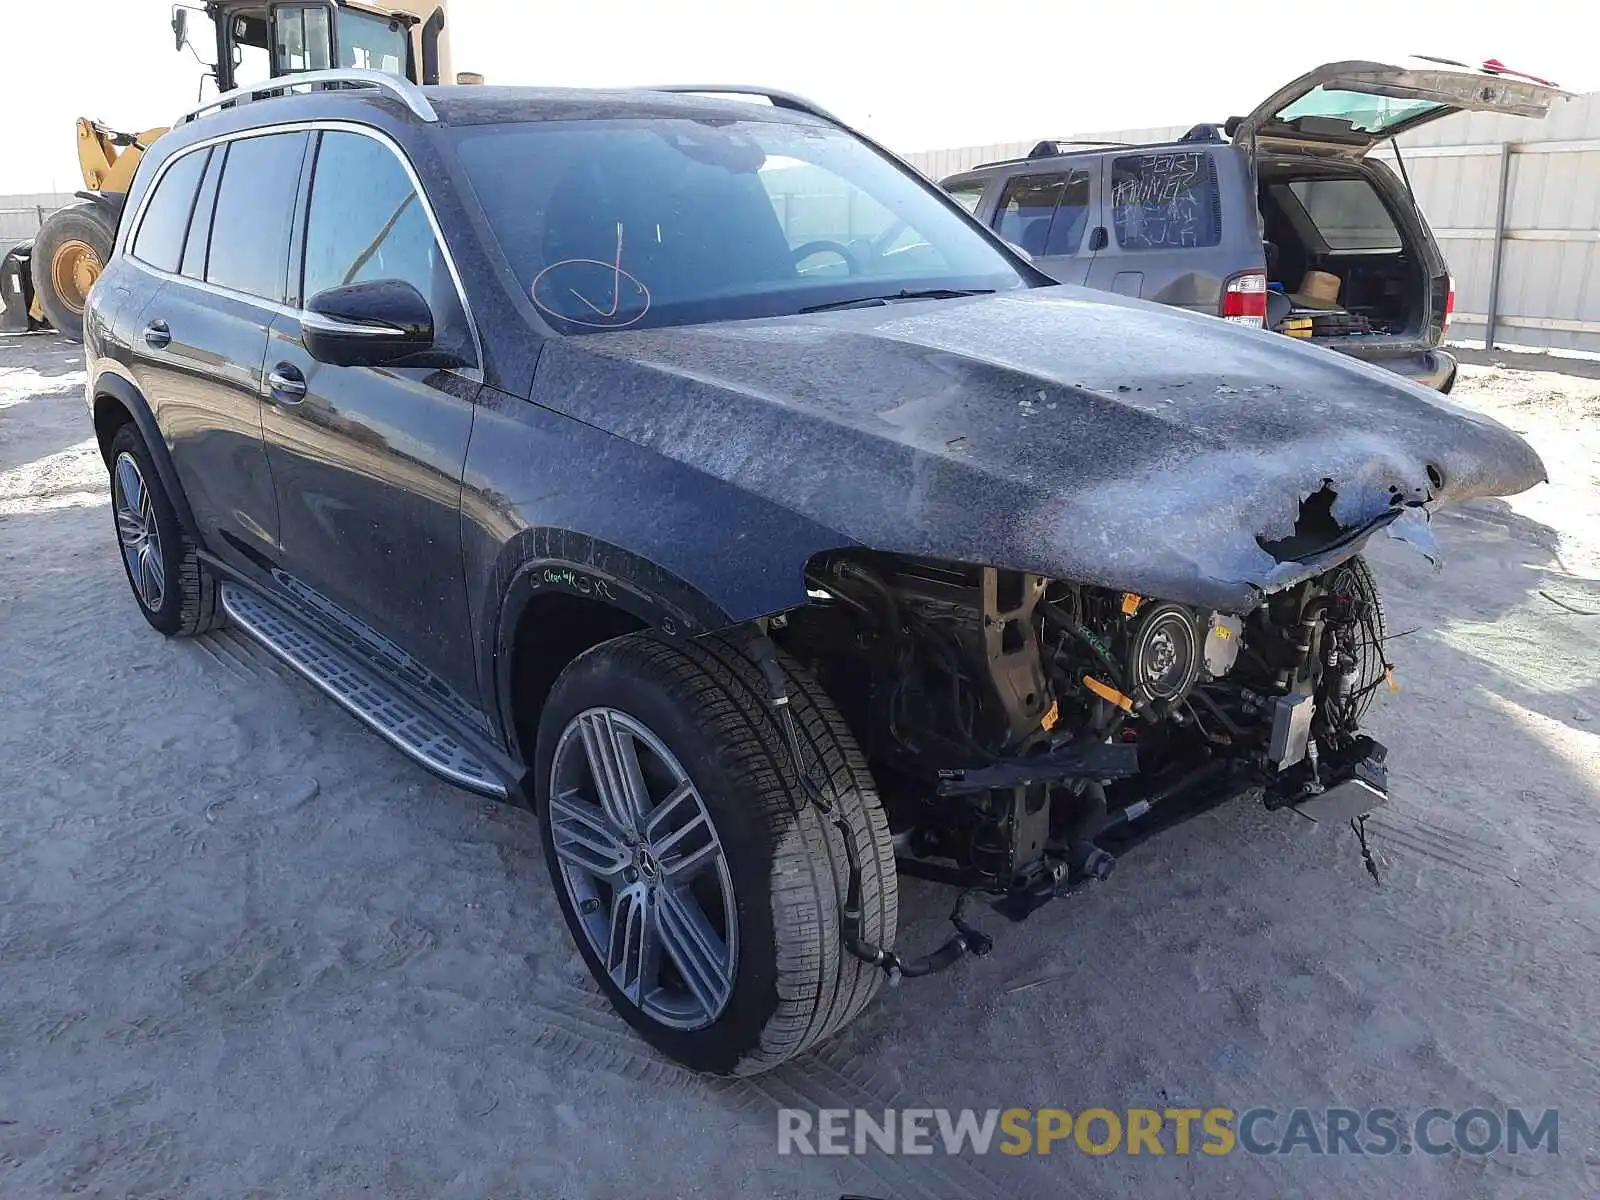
(702, 888)
(175, 591)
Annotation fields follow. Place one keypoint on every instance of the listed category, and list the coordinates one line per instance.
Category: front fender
(550, 503)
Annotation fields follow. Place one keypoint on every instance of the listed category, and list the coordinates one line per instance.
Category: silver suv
(1280, 218)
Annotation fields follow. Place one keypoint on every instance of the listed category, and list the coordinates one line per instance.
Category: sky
(915, 74)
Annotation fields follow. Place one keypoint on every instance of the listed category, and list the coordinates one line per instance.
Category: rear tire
(788, 982)
(175, 591)
(70, 250)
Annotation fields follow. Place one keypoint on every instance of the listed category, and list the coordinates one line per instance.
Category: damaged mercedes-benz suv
(695, 473)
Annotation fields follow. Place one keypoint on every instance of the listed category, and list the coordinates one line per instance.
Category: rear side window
(255, 206)
(967, 195)
(1166, 201)
(1347, 213)
(1045, 214)
(159, 241)
(367, 222)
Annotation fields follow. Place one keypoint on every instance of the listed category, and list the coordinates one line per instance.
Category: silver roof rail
(401, 89)
(779, 99)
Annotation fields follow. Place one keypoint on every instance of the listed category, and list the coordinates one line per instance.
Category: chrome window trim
(131, 229)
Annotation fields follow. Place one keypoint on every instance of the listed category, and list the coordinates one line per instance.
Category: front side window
(252, 59)
(377, 43)
(1347, 213)
(255, 205)
(1166, 201)
(622, 223)
(166, 217)
(304, 37)
(367, 222)
(1045, 214)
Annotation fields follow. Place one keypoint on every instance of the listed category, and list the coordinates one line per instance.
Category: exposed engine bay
(1023, 731)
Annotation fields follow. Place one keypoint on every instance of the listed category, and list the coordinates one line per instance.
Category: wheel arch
(566, 593)
(118, 401)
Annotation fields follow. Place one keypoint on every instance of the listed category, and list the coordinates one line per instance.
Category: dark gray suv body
(1218, 221)
(696, 473)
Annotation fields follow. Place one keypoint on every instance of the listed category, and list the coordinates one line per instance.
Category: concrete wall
(1547, 254)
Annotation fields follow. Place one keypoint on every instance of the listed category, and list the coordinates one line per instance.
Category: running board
(384, 709)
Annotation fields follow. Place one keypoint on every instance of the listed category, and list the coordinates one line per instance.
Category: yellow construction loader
(48, 280)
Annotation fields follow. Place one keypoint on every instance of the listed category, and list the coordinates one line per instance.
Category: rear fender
(111, 388)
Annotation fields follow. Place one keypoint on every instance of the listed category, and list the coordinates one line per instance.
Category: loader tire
(70, 251)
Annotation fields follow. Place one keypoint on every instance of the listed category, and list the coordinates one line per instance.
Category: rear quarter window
(165, 223)
(1166, 201)
(967, 195)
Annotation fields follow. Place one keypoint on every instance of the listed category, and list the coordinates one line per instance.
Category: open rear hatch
(1347, 108)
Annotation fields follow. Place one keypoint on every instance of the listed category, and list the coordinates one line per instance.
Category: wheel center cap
(649, 870)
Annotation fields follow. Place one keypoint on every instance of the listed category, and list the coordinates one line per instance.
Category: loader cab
(256, 41)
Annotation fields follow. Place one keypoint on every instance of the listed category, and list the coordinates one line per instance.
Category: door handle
(1099, 239)
(287, 384)
(157, 335)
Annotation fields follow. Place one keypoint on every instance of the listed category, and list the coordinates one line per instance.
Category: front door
(367, 461)
(1048, 214)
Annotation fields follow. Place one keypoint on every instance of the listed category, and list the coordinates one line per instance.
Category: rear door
(367, 461)
(1049, 214)
(1161, 210)
(1350, 107)
(198, 344)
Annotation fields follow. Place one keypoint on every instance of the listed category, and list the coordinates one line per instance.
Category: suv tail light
(1244, 299)
(1443, 303)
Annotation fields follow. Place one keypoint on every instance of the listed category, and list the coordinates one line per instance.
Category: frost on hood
(1069, 433)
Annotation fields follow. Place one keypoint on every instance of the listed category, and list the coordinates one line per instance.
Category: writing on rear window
(1166, 201)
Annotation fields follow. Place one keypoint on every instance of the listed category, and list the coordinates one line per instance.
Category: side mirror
(368, 325)
(180, 28)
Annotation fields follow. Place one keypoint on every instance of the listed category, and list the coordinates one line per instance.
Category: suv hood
(1349, 107)
(1055, 430)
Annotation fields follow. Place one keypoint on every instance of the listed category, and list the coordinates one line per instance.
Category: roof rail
(1050, 147)
(779, 99)
(401, 89)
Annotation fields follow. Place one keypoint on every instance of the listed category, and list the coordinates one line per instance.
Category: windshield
(1364, 112)
(378, 43)
(615, 224)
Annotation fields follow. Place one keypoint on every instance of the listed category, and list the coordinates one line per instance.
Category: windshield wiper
(875, 301)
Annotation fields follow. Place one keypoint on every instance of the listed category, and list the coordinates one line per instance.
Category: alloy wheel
(138, 533)
(643, 868)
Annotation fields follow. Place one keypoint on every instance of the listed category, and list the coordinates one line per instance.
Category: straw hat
(1318, 289)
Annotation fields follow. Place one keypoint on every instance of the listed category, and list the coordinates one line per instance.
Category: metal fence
(1515, 204)
(21, 216)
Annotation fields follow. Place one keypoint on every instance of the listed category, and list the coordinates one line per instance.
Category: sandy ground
(248, 949)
